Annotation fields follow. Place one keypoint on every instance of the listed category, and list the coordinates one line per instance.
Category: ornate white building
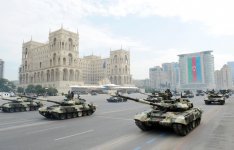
(57, 64)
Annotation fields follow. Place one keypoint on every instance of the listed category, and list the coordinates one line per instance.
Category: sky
(154, 31)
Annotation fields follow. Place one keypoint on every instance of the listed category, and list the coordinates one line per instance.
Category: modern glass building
(231, 65)
(1, 68)
(197, 70)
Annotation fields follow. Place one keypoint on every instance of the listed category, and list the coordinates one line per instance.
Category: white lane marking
(38, 131)
(65, 137)
(15, 122)
(107, 112)
(22, 126)
(117, 118)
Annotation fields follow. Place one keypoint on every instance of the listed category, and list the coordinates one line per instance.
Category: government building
(57, 64)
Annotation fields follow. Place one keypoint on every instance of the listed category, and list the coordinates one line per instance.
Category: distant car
(93, 93)
(115, 99)
(200, 93)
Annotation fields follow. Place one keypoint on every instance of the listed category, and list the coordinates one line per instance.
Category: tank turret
(172, 105)
(177, 114)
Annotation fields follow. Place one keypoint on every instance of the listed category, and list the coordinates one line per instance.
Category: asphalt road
(112, 127)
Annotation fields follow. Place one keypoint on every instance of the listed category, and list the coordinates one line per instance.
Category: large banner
(194, 69)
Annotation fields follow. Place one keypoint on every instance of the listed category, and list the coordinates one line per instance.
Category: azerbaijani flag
(194, 69)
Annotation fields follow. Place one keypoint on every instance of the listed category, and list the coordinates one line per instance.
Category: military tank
(187, 94)
(68, 108)
(177, 114)
(158, 96)
(214, 97)
(115, 99)
(20, 104)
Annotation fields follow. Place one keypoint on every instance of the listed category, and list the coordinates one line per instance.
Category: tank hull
(181, 122)
(67, 112)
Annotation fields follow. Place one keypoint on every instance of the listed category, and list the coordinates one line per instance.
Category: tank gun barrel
(46, 100)
(139, 100)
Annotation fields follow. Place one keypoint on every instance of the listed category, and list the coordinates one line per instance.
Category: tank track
(20, 109)
(183, 130)
(143, 126)
(63, 116)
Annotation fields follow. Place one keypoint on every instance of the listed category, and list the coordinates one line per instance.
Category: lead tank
(69, 108)
(177, 114)
(20, 104)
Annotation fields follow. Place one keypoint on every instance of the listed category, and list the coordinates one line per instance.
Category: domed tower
(63, 59)
(120, 67)
(27, 66)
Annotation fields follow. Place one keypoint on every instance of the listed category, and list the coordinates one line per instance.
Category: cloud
(21, 19)
(216, 15)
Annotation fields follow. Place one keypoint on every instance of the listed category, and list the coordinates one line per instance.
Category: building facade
(1, 68)
(57, 64)
(197, 70)
(223, 78)
(158, 78)
(231, 65)
(172, 71)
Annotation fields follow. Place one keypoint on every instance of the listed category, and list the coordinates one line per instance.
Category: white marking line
(65, 137)
(15, 122)
(107, 112)
(38, 131)
(22, 126)
(116, 118)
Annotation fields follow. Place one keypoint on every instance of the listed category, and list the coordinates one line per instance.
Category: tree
(6, 85)
(20, 90)
(39, 89)
(30, 89)
(52, 91)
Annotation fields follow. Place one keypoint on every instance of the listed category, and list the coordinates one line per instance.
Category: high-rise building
(172, 70)
(223, 78)
(1, 68)
(197, 70)
(57, 64)
(158, 78)
(231, 65)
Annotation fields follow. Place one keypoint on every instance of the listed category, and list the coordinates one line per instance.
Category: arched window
(115, 58)
(70, 59)
(26, 52)
(54, 59)
(126, 59)
(54, 42)
(64, 61)
(70, 44)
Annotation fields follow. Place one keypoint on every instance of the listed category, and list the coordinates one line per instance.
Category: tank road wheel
(142, 125)
(11, 110)
(22, 109)
(198, 120)
(222, 102)
(84, 113)
(194, 124)
(89, 113)
(36, 108)
(69, 116)
(180, 129)
(17, 109)
(80, 114)
(27, 109)
(74, 115)
(62, 116)
(31, 108)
